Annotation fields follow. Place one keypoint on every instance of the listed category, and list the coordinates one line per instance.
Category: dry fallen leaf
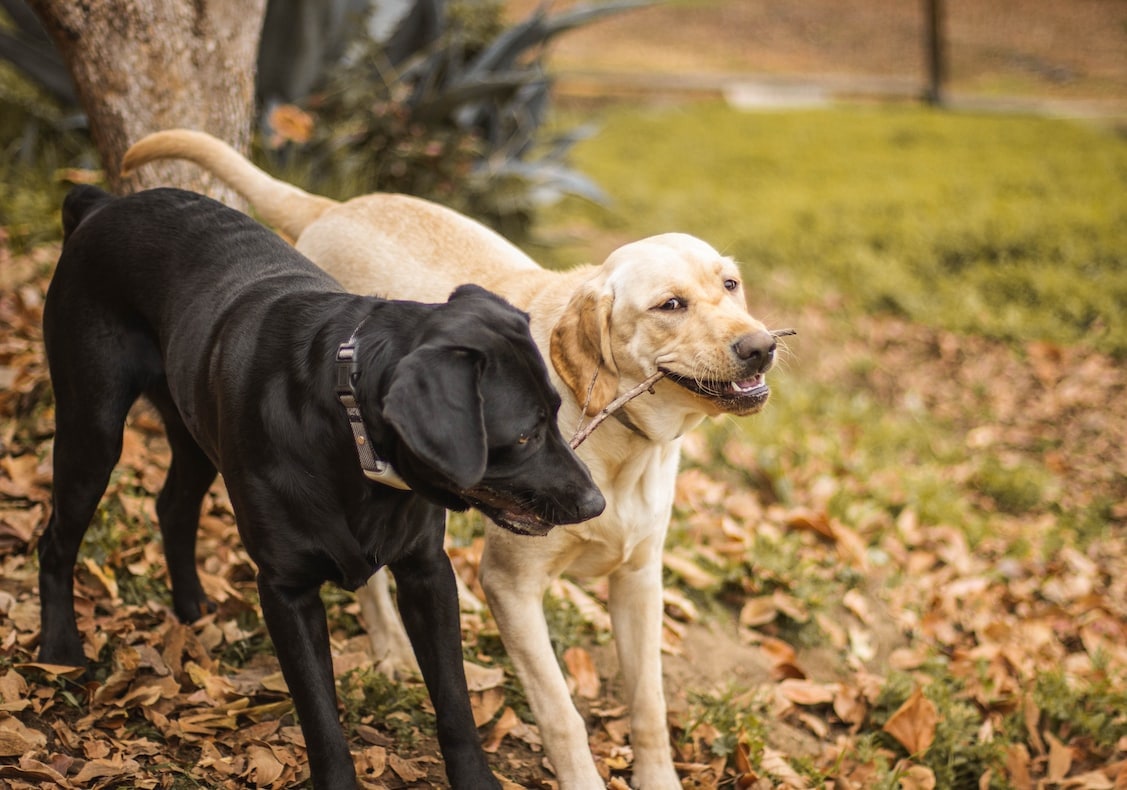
(25, 616)
(16, 739)
(849, 706)
(678, 606)
(581, 668)
(1060, 758)
(115, 767)
(263, 766)
(38, 773)
(906, 659)
(485, 704)
(371, 762)
(407, 770)
(812, 521)
(775, 763)
(694, 575)
(778, 651)
(479, 678)
(758, 611)
(589, 609)
(508, 721)
(807, 692)
(856, 602)
(913, 724)
(13, 689)
(917, 777)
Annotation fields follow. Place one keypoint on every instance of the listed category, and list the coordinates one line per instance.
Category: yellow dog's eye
(731, 284)
(673, 303)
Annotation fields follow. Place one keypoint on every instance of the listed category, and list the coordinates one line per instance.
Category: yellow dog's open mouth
(744, 396)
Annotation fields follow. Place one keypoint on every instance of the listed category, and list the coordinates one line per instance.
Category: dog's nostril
(756, 348)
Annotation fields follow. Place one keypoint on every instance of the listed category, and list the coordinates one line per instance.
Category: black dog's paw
(67, 653)
(190, 609)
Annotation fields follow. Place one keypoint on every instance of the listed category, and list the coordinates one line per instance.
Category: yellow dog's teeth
(742, 387)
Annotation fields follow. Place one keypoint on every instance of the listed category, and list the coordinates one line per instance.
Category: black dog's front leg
(299, 629)
(428, 602)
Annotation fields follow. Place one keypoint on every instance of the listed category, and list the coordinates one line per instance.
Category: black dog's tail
(82, 201)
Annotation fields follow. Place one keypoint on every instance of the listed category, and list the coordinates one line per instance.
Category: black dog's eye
(673, 303)
(530, 436)
(731, 284)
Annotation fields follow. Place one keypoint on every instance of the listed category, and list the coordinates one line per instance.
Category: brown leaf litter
(205, 702)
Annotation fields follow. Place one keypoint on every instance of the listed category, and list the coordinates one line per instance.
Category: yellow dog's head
(670, 303)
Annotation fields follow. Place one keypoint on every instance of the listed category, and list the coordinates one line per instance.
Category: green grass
(957, 756)
(1002, 225)
(36, 148)
(1012, 228)
(1098, 712)
(369, 696)
(738, 714)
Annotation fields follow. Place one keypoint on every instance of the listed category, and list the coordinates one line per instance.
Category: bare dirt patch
(1031, 48)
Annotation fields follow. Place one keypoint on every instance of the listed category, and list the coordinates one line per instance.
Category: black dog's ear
(434, 403)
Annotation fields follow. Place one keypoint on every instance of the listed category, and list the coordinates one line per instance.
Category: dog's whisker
(783, 356)
(708, 379)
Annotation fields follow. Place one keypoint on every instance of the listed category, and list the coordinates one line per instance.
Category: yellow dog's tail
(279, 204)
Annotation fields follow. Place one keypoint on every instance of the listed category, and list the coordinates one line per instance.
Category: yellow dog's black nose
(757, 349)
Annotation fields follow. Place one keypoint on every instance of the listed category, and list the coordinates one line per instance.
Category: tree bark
(144, 65)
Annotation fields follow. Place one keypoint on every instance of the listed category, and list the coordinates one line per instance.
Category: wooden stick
(585, 430)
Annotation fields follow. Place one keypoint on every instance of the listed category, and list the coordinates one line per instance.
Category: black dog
(264, 369)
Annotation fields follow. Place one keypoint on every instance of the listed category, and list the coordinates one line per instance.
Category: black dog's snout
(590, 504)
(757, 349)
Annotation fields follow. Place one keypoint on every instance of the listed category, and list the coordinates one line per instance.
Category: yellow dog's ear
(581, 348)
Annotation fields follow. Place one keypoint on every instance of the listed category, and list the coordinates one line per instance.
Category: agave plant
(27, 46)
(461, 120)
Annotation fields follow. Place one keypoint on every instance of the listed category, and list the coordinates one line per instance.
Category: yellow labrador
(669, 303)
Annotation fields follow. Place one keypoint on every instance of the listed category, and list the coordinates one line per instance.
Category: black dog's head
(475, 414)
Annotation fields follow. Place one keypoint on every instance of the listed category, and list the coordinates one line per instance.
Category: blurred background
(911, 569)
(1006, 53)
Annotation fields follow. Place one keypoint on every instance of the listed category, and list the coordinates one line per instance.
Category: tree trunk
(144, 65)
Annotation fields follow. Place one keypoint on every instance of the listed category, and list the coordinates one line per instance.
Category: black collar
(348, 371)
(624, 418)
(618, 414)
